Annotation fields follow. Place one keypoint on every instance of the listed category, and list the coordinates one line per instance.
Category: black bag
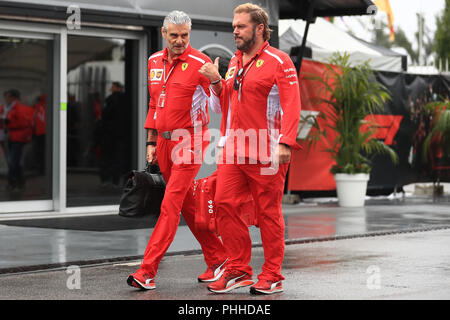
(143, 193)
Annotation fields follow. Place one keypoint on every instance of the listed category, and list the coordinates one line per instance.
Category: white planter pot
(351, 189)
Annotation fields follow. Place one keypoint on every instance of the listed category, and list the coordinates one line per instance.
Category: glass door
(102, 117)
(72, 108)
(26, 118)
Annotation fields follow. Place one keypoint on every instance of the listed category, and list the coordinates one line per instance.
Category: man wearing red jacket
(17, 122)
(261, 95)
(177, 138)
(39, 131)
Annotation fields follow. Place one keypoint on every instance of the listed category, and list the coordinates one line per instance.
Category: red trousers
(267, 192)
(178, 198)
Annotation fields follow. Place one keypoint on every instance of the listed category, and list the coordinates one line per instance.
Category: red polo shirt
(20, 122)
(267, 105)
(186, 92)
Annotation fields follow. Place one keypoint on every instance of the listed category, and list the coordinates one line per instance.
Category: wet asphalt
(398, 266)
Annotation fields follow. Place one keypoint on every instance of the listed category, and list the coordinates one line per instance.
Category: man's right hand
(211, 71)
(151, 154)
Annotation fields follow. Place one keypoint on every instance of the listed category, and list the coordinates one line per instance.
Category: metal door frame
(142, 110)
(59, 34)
(22, 30)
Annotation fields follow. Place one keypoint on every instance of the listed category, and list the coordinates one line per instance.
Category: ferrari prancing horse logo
(184, 66)
(259, 63)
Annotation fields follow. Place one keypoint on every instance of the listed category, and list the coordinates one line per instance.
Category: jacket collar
(182, 57)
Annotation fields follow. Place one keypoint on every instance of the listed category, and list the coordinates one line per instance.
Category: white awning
(325, 39)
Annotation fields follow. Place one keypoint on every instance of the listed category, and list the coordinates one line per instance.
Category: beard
(177, 49)
(246, 45)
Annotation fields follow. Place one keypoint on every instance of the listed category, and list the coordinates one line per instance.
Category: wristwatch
(151, 143)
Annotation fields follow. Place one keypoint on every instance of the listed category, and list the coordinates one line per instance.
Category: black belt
(166, 135)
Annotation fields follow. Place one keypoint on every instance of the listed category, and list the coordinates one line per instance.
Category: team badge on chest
(184, 66)
(259, 63)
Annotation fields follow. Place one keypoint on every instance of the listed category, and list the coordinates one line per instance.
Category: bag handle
(152, 168)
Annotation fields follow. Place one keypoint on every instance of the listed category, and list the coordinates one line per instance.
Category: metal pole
(305, 35)
(298, 64)
(420, 38)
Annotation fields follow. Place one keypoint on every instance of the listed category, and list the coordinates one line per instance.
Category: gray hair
(176, 17)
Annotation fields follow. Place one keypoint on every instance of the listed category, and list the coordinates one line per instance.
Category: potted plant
(350, 94)
(436, 146)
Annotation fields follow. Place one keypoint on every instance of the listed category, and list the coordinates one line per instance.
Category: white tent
(324, 39)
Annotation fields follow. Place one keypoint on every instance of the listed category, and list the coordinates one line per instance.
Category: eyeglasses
(238, 79)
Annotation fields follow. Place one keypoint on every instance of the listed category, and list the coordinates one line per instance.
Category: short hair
(117, 84)
(13, 93)
(257, 15)
(177, 17)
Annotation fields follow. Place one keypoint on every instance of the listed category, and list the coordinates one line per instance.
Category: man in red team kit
(260, 94)
(17, 123)
(177, 136)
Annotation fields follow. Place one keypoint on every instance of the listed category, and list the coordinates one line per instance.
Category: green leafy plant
(351, 94)
(439, 112)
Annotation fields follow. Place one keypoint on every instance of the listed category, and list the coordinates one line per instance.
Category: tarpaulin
(403, 125)
(310, 166)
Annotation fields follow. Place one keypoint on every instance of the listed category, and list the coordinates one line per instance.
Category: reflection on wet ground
(379, 215)
(32, 242)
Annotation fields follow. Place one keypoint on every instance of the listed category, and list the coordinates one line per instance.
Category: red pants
(178, 197)
(267, 192)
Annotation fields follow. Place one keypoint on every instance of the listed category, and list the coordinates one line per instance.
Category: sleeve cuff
(214, 101)
(222, 141)
(290, 142)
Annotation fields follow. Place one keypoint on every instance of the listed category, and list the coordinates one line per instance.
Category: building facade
(79, 69)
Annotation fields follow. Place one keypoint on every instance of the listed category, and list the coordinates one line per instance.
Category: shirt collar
(182, 57)
(11, 105)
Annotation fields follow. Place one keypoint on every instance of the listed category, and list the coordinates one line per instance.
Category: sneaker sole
(132, 282)
(212, 279)
(241, 284)
(253, 290)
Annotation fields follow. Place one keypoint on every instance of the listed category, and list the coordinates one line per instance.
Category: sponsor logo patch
(156, 74)
(230, 73)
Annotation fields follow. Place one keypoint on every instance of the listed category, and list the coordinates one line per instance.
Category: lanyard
(248, 68)
(253, 60)
(168, 75)
(162, 96)
(242, 79)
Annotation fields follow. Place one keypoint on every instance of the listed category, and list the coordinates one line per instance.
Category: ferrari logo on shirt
(184, 66)
(156, 74)
(259, 63)
(230, 73)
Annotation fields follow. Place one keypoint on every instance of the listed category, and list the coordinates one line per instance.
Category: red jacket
(186, 93)
(39, 123)
(20, 122)
(268, 109)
